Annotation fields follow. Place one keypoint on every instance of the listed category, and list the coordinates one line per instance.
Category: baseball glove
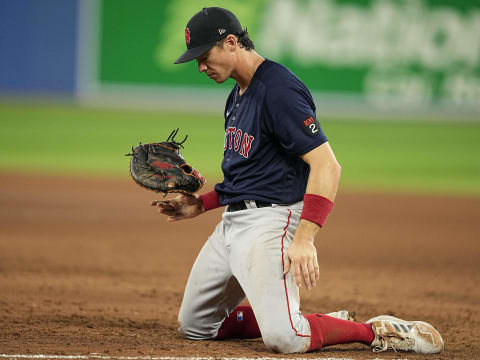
(161, 167)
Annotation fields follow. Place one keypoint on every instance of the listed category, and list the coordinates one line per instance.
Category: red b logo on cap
(187, 36)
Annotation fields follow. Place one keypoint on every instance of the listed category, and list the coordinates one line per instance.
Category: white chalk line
(106, 357)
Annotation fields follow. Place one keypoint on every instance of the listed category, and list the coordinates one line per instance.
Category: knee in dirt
(181, 329)
(280, 342)
(189, 331)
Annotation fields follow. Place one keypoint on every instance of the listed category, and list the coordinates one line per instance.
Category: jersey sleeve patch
(311, 127)
(292, 114)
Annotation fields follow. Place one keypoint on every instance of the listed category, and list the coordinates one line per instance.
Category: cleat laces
(395, 342)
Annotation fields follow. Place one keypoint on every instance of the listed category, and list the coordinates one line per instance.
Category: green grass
(413, 156)
(386, 156)
(77, 140)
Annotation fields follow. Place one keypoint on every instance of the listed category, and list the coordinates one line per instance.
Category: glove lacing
(171, 139)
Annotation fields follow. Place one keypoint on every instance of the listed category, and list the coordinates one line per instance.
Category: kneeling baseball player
(280, 182)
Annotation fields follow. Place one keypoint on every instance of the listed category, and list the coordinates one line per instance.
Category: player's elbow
(327, 164)
(336, 169)
(330, 169)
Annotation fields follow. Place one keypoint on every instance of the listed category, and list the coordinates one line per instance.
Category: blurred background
(396, 83)
(88, 267)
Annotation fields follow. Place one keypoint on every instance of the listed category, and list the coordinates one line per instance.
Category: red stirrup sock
(326, 330)
(240, 324)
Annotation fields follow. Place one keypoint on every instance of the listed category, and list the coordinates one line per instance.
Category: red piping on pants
(285, 281)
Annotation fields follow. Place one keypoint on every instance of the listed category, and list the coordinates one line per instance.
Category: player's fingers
(168, 212)
(178, 215)
(297, 271)
(312, 273)
(173, 218)
(286, 264)
(165, 204)
(316, 268)
(306, 275)
(162, 204)
(169, 207)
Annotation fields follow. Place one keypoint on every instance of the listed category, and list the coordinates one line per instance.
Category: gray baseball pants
(243, 257)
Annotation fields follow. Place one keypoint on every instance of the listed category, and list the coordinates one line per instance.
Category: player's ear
(230, 42)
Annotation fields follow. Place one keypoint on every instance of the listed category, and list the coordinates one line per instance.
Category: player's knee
(188, 330)
(186, 326)
(182, 329)
(191, 330)
(277, 342)
(283, 342)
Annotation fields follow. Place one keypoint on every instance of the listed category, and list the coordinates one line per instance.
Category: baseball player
(280, 182)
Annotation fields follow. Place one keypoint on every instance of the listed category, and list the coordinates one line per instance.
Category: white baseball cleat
(398, 334)
(343, 314)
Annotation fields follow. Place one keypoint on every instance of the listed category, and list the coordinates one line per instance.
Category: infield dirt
(87, 266)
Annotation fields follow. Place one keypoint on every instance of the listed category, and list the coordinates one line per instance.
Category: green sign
(385, 52)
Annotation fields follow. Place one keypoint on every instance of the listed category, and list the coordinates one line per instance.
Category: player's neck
(248, 63)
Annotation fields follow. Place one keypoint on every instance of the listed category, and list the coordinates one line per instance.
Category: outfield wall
(384, 57)
(418, 56)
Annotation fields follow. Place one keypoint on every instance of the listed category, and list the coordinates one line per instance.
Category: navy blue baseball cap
(205, 29)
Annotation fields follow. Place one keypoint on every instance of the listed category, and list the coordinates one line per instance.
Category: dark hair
(243, 40)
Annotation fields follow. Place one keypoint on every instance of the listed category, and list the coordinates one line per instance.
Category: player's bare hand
(184, 206)
(301, 256)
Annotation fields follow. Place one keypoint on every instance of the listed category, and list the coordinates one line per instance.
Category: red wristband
(316, 208)
(210, 200)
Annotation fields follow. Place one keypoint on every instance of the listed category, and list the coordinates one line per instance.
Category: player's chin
(218, 79)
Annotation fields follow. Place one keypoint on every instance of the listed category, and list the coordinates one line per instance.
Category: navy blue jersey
(267, 128)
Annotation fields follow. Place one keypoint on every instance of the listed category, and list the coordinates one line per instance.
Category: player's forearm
(320, 193)
(324, 179)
